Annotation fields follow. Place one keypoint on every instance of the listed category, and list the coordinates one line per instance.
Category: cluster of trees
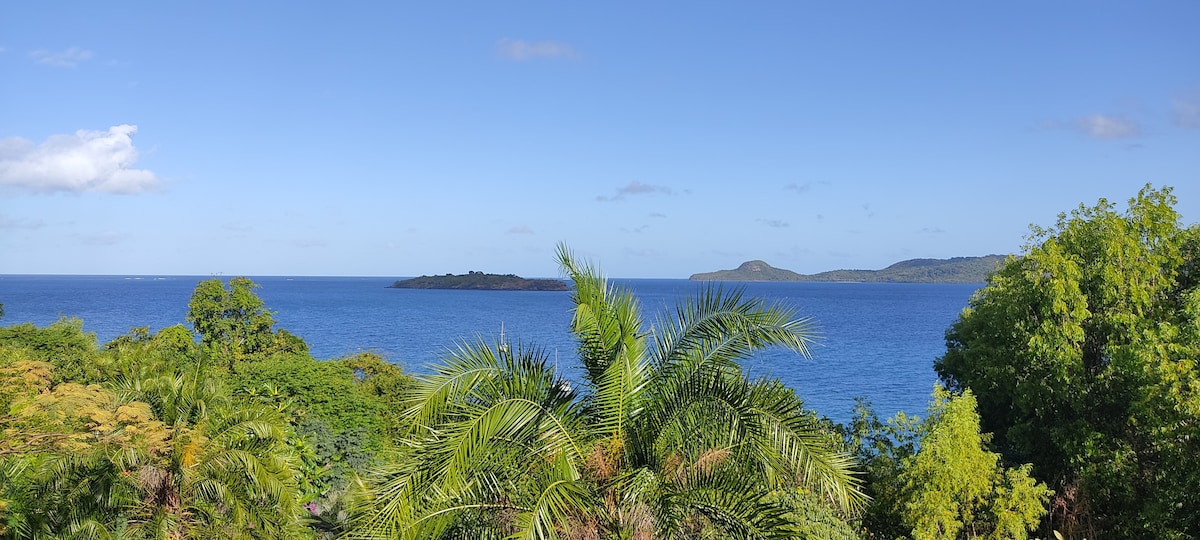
(240, 434)
(1082, 355)
(1069, 407)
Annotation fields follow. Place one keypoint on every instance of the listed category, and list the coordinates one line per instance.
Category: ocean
(877, 340)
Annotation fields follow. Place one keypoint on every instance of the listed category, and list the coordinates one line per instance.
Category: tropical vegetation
(1082, 355)
(1069, 407)
(666, 438)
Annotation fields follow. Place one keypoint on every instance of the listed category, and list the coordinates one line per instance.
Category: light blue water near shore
(878, 340)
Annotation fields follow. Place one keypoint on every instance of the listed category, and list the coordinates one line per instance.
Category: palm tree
(169, 456)
(228, 471)
(667, 439)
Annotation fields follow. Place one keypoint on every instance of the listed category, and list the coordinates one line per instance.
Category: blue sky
(659, 139)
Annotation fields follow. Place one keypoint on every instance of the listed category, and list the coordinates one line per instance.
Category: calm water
(878, 340)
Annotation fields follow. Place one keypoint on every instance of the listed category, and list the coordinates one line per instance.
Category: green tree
(1082, 353)
(667, 439)
(168, 454)
(63, 344)
(954, 488)
(935, 478)
(234, 324)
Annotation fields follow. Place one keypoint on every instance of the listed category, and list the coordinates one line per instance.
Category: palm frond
(734, 504)
(720, 327)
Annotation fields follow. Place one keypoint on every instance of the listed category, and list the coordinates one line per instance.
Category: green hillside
(954, 270)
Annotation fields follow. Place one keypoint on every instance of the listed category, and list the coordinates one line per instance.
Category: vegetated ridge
(953, 270)
(481, 281)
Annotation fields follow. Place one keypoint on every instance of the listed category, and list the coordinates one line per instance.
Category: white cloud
(516, 49)
(86, 161)
(1186, 110)
(68, 58)
(1107, 127)
(521, 229)
(776, 223)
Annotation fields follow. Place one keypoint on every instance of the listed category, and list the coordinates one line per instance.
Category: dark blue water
(878, 340)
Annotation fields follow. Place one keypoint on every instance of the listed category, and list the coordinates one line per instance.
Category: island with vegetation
(1068, 407)
(954, 270)
(481, 282)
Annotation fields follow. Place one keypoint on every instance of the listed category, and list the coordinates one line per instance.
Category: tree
(954, 488)
(667, 438)
(165, 454)
(935, 478)
(1082, 354)
(234, 323)
(63, 344)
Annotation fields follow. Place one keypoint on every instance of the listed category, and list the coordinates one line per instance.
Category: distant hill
(955, 270)
(481, 281)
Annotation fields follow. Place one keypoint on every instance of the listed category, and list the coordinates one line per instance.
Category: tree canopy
(1082, 354)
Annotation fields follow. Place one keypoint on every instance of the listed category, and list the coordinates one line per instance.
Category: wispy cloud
(1107, 127)
(1185, 110)
(634, 188)
(521, 229)
(776, 223)
(68, 58)
(101, 239)
(657, 215)
(805, 187)
(519, 50)
(86, 161)
(7, 223)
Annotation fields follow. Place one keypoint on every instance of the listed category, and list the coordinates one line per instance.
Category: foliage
(1082, 354)
(234, 324)
(883, 448)
(62, 344)
(386, 382)
(325, 390)
(139, 353)
(936, 479)
(170, 455)
(668, 438)
(953, 487)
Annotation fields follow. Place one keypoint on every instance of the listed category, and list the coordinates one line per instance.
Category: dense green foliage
(668, 438)
(936, 479)
(481, 281)
(954, 270)
(234, 324)
(242, 435)
(1082, 354)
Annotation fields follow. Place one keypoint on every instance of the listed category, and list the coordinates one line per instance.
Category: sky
(657, 139)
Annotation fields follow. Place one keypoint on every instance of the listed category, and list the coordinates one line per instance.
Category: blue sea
(877, 340)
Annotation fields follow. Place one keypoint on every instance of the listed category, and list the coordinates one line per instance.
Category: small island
(954, 270)
(479, 281)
